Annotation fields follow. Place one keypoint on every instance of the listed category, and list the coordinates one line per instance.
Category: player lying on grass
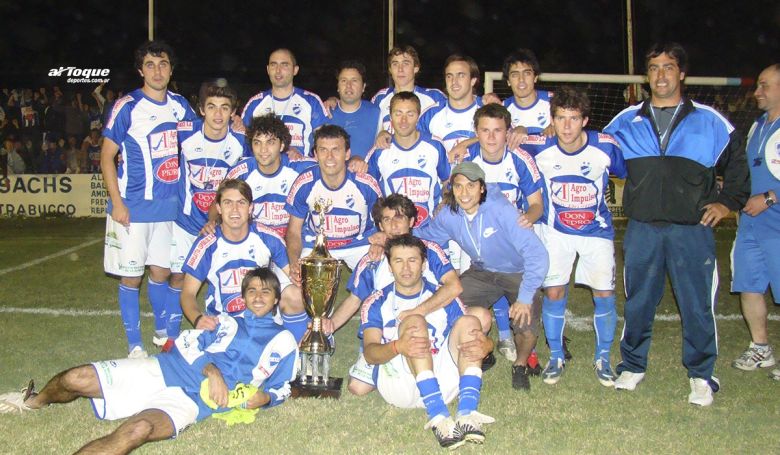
(161, 394)
(425, 361)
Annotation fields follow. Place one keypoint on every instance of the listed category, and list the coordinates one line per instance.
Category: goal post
(611, 93)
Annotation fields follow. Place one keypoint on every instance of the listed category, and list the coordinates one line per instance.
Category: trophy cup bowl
(320, 274)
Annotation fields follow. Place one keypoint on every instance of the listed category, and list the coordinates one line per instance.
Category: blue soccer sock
(173, 308)
(431, 394)
(604, 322)
(470, 387)
(554, 319)
(501, 312)
(158, 294)
(297, 324)
(130, 309)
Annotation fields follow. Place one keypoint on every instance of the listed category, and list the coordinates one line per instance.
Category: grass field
(62, 311)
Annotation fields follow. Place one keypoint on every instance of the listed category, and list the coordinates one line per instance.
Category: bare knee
(177, 280)
(412, 322)
(137, 430)
(159, 274)
(292, 300)
(555, 292)
(82, 380)
(133, 282)
(482, 315)
(359, 388)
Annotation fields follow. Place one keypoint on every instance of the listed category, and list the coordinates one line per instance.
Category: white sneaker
(754, 357)
(507, 349)
(701, 392)
(628, 380)
(14, 401)
(137, 353)
(470, 426)
(446, 431)
(775, 374)
(159, 340)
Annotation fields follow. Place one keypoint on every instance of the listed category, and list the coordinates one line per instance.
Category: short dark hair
(406, 96)
(523, 55)
(267, 276)
(353, 65)
(331, 132)
(217, 88)
(407, 240)
(401, 50)
(493, 110)
(234, 184)
(570, 98)
(155, 48)
(397, 202)
(271, 125)
(289, 52)
(673, 50)
(473, 68)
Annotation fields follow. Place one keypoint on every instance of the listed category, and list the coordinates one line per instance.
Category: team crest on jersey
(168, 170)
(274, 359)
(350, 201)
(297, 109)
(585, 168)
(284, 186)
(542, 119)
(422, 161)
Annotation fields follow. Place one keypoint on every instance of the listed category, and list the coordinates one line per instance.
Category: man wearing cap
(507, 260)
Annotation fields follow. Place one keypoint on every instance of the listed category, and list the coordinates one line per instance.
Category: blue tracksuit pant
(687, 253)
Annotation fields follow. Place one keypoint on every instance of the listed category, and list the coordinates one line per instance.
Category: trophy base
(331, 389)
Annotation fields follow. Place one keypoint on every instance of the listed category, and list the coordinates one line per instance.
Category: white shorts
(596, 264)
(128, 250)
(181, 244)
(130, 386)
(397, 385)
(362, 370)
(349, 255)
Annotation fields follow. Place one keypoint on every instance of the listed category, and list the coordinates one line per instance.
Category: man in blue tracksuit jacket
(506, 259)
(673, 148)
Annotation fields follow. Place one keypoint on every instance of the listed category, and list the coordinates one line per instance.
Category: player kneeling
(161, 394)
(425, 361)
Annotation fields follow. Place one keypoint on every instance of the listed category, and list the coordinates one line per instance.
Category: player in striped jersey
(223, 258)
(270, 173)
(425, 360)
(208, 147)
(301, 110)
(576, 165)
(395, 215)
(404, 64)
(142, 188)
(415, 163)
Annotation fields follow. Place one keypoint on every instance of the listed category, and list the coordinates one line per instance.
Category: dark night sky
(233, 38)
